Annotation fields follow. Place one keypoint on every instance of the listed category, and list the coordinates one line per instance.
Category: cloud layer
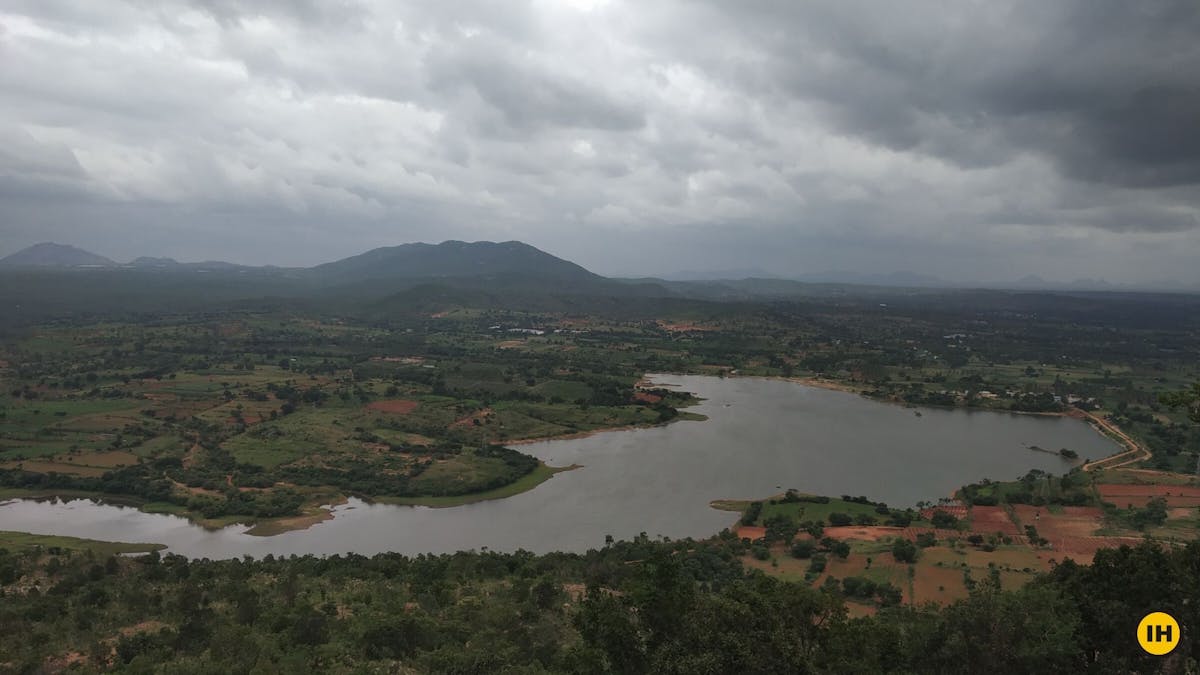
(975, 140)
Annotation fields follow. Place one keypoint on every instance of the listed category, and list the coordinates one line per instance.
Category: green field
(246, 416)
(531, 480)
(21, 541)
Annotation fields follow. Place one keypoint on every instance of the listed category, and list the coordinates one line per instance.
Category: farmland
(252, 417)
(1005, 531)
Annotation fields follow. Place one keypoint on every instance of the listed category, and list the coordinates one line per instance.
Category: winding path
(1135, 451)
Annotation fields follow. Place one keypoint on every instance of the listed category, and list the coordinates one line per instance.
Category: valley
(873, 453)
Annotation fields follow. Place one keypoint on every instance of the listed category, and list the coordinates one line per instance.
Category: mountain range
(513, 263)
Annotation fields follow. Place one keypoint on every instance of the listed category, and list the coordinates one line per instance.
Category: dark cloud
(1109, 90)
(528, 96)
(967, 139)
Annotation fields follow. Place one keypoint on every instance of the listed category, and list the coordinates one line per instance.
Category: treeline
(152, 482)
(1036, 487)
(365, 479)
(146, 482)
(632, 607)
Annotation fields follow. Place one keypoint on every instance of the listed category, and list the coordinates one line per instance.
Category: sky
(971, 140)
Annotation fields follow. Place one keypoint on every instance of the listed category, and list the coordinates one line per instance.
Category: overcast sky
(975, 140)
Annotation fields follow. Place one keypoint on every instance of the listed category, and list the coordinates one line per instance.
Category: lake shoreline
(1101, 427)
(658, 478)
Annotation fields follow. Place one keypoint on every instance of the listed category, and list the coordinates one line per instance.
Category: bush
(904, 550)
(752, 513)
(803, 548)
(841, 549)
(944, 521)
(838, 519)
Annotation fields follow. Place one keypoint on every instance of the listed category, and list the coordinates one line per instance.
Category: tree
(1189, 399)
(803, 548)
(944, 521)
(838, 519)
(904, 550)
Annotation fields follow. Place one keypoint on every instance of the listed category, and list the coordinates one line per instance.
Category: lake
(762, 437)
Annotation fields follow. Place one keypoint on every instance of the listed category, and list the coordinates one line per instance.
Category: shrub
(904, 550)
(803, 548)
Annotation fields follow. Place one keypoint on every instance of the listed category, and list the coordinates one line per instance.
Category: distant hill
(455, 259)
(48, 254)
(146, 261)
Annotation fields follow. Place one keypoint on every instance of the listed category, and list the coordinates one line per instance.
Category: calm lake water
(762, 436)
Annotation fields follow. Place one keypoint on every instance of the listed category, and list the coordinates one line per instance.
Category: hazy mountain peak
(148, 261)
(50, 254)
(454, 259)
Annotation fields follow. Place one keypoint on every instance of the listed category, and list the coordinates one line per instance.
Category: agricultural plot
(247, 414)
(1008, 542)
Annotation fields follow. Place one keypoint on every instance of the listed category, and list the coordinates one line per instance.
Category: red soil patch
(942, 585)
(864, 533)
(1072, 532)
(956, 509)
(1083, 549)
(910, 533)
(1138, 495)
(750, 532)
(396, 407)
(992, 519)
(575, 591)
(645, 397)
(470, 419)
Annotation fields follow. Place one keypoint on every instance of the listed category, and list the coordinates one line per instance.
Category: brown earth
(1083, 549)
(992, 519)
(1073, 521)
(1138, 495)
(395, 406)
(864, 532)
(956, 509)
(470, 419)
(751, 532)
(942, 585)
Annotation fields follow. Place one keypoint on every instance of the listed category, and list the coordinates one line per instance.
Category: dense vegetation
(635, 607)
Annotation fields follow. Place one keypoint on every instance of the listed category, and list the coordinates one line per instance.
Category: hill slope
(454, 259)
(48, 254)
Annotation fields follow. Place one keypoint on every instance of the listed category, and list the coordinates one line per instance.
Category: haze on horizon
(971, 141)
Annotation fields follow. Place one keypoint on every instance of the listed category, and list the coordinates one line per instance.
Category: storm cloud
(978, 141)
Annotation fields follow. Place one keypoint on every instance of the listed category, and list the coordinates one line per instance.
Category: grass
(23, 541)
(22, 493)
(1124, 477)
(527, 482)
(802, 511)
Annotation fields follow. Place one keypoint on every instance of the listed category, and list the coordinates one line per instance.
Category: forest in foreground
(632, 607)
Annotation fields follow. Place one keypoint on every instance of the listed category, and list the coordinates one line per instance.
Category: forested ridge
(631, 607)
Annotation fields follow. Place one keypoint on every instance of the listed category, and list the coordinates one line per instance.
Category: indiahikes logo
(1158, 633)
